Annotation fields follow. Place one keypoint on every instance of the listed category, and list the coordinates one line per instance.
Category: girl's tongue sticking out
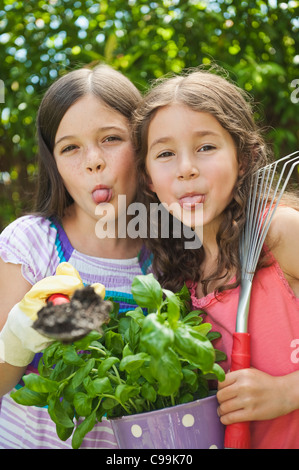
(101, 195)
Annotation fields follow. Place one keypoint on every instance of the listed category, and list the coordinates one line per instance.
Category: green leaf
(61, 371)
(137, 315)
(203, 329)
(127, 351)
(194, 347)
(213, 335)
(133, 362)
(36, 383)
(106, 364)
(83, 343)
(82, 403)
(134, 335)
(190, 377)
(71, 357)
(155, 336)
(193, 317)
(114, 342)
(168, 372)
(123, 392)
(219, 372)
(146, 372)
(147, 292)
(148, 392)
(173, 307)
(97, 386)
(123, 325)
(82, 373)
(42, 369)
(63, 433)
(82, 429)
(58, 414)
(184, 295)
(220, 355)
(186, 398)
(52, 353)
(25, 396)
(109, 403)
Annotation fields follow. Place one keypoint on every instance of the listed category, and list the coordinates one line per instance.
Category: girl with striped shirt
(86, 161)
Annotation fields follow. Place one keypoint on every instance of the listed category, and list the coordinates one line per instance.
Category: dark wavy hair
(106, 84)
(212, 92)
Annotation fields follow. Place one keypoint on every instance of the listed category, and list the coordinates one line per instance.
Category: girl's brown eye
(165, 154)
(112, 138)
(68, 148)
(206, 148)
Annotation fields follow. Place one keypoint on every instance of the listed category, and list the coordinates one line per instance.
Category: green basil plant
(155, 356)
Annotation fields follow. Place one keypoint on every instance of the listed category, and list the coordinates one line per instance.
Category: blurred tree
(256, 41)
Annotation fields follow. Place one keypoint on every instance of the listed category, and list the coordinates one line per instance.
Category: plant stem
(116, 399)
(133, 404)
(172, 400)
(98, 349)
(117, 374)
(67, 379)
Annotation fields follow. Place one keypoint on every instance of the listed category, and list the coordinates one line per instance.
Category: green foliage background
(256, 41)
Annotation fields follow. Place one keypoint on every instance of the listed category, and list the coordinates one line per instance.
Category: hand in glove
(18, 340)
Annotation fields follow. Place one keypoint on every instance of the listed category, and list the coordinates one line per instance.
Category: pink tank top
(274, 328)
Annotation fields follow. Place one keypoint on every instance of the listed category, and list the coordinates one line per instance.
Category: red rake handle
(237, 435)
(58, 299)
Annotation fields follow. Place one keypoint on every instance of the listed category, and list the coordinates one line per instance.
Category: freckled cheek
(130, 178)
(125, 172)
(127, 163)
(71, 176)
(67, 169)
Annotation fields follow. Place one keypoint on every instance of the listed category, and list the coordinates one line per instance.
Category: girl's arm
(9, 377)
(283, 240)
(13, 287)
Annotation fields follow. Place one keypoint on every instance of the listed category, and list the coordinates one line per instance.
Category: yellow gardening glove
(18, 340)
(66, 281)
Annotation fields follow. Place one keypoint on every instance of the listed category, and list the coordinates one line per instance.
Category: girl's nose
(94, 160)
(187, 168)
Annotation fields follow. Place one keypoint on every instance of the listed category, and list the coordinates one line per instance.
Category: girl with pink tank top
(198, 147)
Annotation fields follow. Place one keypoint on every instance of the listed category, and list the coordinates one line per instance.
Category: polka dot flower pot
(193, 425)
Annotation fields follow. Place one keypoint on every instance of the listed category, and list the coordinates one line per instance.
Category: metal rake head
(266, 192)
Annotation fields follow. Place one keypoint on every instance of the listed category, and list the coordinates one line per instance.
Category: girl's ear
(151, 187)
(150, 184)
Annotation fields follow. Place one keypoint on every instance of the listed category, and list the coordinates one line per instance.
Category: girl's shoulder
(30, 241)
(26, 223)
(28, 231)
(283, 230)
(283, 241)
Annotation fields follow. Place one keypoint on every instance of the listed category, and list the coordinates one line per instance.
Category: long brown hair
(105, 83)
(211, 92)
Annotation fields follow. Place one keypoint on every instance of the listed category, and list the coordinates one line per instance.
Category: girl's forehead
(88, 114)
(94, 107)
(180, 123)
(174, 113)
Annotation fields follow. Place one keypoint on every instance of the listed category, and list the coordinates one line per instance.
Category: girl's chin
(192, 219)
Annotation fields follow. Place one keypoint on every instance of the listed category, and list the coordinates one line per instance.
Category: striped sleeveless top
(39, 245)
